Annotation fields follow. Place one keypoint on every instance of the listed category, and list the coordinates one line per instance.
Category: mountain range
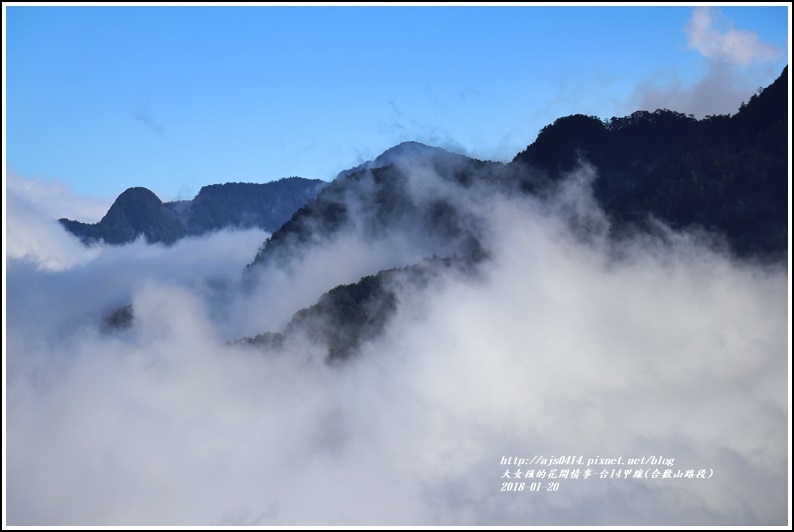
(138, 211)
(726, 176)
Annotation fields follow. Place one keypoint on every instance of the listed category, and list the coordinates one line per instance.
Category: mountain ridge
(681, 170)
(649, 166)
(406, 152)
(632, 186)
(138, 211)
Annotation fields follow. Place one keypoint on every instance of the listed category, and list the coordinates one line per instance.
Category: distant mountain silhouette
(138, 211)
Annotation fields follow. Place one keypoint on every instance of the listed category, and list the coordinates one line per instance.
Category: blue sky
(174, 98)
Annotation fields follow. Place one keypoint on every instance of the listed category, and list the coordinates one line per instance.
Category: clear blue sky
(173, 98)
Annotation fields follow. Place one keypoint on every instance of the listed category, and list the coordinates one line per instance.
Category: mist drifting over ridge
(560, 340)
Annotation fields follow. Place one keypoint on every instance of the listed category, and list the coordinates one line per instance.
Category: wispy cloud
(713, 35)
(559, 348)
(404, 125)
(720, 91)
(731, 54)
(33, 234)
(145, 117)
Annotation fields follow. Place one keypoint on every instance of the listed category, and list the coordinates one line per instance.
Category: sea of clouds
(567, 342)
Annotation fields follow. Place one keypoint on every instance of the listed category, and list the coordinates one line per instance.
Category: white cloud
(559, 348)
(55, 199)
(33, 233)
(713, 35)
